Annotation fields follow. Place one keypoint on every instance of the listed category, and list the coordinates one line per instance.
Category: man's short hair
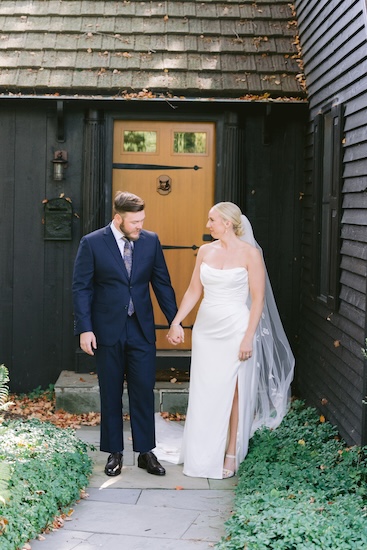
(127, 202)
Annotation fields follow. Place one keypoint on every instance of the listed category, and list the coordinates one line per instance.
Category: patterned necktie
(128, 259)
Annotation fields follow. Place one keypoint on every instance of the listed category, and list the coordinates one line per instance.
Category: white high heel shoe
(229, 473)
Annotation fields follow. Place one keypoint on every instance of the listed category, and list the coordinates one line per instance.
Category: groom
(113, 312)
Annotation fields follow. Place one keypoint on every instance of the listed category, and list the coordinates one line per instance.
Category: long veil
(274, 356)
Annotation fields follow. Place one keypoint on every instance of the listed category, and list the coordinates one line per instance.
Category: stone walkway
(140, 511)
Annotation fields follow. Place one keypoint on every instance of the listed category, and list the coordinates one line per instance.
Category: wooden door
(171, 165)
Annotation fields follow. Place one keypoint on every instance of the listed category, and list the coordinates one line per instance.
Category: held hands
(176, 335)
(88, 342)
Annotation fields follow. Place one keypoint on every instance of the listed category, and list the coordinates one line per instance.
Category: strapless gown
(220, 325)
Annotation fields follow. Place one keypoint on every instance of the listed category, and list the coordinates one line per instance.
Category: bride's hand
(176, 335)
(245, 351)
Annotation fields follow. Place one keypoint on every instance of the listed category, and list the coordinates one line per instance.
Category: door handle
(171, 247)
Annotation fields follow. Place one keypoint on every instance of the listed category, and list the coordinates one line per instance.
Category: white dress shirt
(120, 239)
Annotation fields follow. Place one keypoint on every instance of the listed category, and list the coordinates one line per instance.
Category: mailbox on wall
(58, 220)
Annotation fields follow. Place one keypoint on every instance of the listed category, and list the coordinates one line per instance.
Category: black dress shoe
(149, 462)
(114, 464)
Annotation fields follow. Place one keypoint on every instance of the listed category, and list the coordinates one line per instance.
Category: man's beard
(130, 236)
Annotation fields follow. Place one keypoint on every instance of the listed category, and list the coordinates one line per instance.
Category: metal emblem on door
(164, 185)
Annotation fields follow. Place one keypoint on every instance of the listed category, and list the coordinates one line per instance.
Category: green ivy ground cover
(43, 469)
(300, 487)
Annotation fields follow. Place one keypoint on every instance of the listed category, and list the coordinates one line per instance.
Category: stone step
(179, 359)
(78, 393)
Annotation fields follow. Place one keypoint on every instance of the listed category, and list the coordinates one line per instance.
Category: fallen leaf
(44, 409)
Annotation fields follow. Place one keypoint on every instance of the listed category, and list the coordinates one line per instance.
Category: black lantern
(59, 161)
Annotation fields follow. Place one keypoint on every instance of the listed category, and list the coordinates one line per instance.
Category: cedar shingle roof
(205, 48)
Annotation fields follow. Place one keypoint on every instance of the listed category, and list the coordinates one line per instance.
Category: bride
(241, 362)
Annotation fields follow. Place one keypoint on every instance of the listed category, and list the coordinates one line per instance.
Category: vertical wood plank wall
(36, 321)
(273, 182)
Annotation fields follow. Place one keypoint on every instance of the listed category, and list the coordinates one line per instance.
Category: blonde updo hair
(230, 212)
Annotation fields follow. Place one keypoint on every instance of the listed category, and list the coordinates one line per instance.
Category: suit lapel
(138, 252)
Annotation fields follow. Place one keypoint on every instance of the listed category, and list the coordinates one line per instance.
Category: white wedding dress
(219, 328)
(263, 381)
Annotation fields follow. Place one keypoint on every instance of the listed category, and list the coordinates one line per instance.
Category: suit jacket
(102, 288)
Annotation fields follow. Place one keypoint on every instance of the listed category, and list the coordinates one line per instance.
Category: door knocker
(164, 185)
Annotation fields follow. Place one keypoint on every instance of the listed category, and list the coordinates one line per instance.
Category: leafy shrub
(48, 468)
(39, 392)
(4, 389)
(300, 487)
(4, 403)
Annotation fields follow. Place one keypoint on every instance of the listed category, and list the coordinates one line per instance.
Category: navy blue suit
(125, 345)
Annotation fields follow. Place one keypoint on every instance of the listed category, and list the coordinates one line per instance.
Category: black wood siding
(273, 185)
(36, 322)
(330, 370)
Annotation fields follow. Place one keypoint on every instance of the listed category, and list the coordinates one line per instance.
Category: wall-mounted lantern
(59, 161)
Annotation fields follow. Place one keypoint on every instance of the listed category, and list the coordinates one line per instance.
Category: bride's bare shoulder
(206, 250)
(210, 246)
(247, 247)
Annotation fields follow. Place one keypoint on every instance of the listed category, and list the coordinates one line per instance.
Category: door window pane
(189, 142)
(140, 142)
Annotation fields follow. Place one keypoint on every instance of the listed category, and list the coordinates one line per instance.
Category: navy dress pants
(132, 356)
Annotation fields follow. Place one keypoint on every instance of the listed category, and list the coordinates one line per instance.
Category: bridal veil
(274, 357)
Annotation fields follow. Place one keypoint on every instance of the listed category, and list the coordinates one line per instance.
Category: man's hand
(88, 342)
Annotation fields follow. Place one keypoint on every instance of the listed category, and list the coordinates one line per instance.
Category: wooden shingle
(227, 49)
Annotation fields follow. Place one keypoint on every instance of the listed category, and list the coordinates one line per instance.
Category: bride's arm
(256, 271)
(189, 300)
